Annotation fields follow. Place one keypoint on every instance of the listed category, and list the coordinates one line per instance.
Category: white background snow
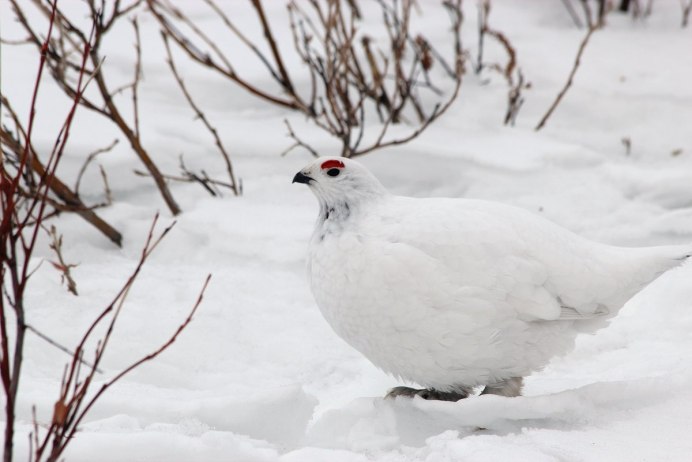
(259, 375)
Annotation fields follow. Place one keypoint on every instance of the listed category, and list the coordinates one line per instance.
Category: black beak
(300, 178)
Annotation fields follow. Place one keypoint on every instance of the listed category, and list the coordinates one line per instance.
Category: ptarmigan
(456, 293)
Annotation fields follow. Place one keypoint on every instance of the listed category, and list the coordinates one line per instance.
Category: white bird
(456, 293)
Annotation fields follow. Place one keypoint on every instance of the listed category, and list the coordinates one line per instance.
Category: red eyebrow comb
(332, 164)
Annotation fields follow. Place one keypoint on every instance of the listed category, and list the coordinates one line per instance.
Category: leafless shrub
(77, 394)
(16, 145)
(21, 221)
(350, 80)
(597, 18)
(570, 78)
(89, 159)
(204, 180)
(64, 268)
(591, 18)
(511, 71)
(62, 54)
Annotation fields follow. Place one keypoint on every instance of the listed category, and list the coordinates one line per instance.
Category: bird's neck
(339, 213)
(336, 211)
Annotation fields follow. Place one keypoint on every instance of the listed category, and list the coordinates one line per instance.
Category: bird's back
(544, 270)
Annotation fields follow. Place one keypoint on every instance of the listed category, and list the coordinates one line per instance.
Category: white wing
(542, 271)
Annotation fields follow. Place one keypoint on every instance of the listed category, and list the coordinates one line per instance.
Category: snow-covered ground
(259, 375)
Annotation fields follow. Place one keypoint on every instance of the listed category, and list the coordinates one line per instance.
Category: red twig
(75, 399)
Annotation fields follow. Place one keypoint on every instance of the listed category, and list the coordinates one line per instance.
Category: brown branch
(247, 42)
(515, 99)
(75, 401)
(135, 142)
(570, 78)
(60, 347)
(298, 142)
(201, 116)
(483, 12)
(106, 187)
(269, 36)
(80, 417)
(587, 14)
(510, 72)
(68, 405)
(138, 75)
(56, 63)
(88, 160)
(454, 8)
(437, 111)
(207, 183)
(157, 7)
(61, 265)
(344, 82)
(73, 203)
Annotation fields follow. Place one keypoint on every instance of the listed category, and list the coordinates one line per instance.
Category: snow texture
(259, 375)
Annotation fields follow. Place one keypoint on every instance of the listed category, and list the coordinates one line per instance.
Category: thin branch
(298, 142)
(60, 347)
(78, 419)
(61, 265)
(157, 7)
(570, 78)
(201, 116)
(269, 36)
(137, 77)
(57, 64)
(88, 160)
(207, 183)
(325, 37)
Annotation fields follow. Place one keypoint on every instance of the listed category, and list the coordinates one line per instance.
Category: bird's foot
(426, 393)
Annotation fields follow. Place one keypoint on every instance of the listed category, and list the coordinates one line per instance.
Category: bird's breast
(349, 289)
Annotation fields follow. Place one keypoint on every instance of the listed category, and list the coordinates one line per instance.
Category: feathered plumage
(454, 293)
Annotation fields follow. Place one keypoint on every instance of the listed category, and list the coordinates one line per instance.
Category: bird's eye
(333, 172)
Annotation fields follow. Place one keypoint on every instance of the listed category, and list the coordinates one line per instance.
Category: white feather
(457, 292)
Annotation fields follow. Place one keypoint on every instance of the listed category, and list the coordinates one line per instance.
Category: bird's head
(337, 180)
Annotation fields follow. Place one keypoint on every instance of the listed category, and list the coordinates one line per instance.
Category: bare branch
(62, 70)
(298, 142)
(570, 78)
(137, 77)
(209, 184)
(88, 160)
(61, 265)
(60, 347)
(343, 88)
(201, 116)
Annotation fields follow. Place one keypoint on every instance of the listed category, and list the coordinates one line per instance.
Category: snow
(258, 375)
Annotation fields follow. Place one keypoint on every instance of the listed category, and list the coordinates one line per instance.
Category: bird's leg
(429, 393)
(510, 388)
